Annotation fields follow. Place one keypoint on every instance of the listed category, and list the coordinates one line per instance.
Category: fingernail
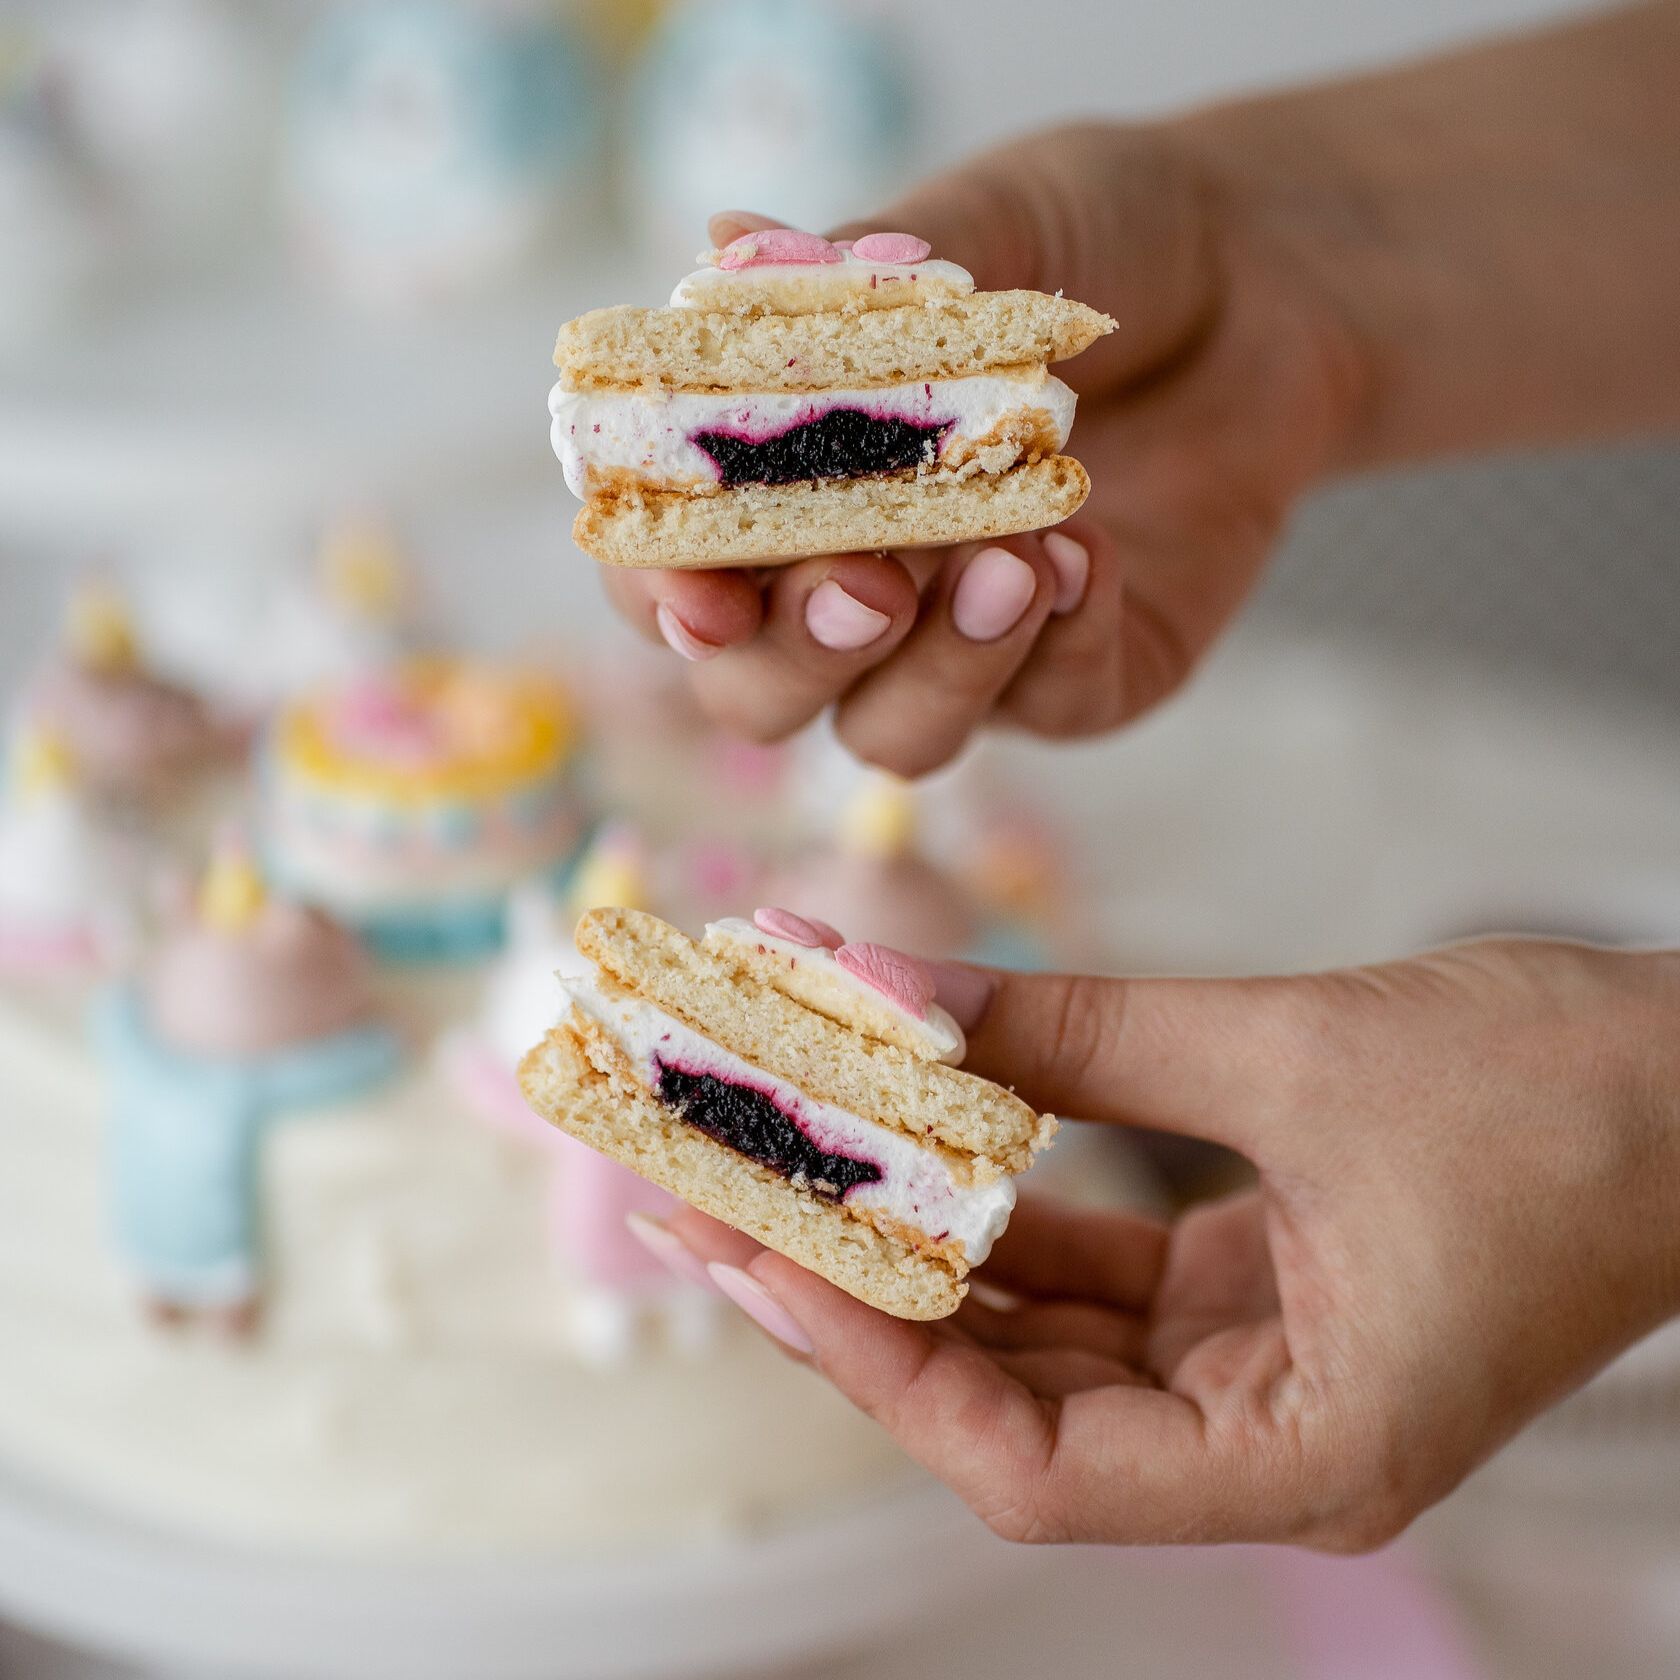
(989, 1295)
(760, 1306)
(963, 993)
(841, 621)
(681, 639)
(1072, 564)
(668, 1249)
(995, 589)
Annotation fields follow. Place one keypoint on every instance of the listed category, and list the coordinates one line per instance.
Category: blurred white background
(1452, 706)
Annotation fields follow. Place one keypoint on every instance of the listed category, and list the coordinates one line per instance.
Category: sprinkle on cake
(802, 397)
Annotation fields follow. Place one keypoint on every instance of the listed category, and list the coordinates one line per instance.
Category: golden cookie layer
(763, 524)
(691, 350)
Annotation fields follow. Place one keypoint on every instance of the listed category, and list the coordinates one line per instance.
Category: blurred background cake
(272, 361)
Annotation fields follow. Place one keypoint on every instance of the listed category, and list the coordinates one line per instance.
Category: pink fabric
(1373, 1618)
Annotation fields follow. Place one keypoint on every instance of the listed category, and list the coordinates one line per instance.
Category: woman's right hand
(1468, 1167)
(1223, 394)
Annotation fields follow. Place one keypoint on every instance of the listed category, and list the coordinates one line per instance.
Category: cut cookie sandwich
(796, 1087)
(799, 397)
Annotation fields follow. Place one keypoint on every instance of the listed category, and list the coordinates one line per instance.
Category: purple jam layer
(748, 1122)
(843, 443)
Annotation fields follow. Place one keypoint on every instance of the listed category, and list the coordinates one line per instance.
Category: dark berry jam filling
(843, 443)
(751, 1124)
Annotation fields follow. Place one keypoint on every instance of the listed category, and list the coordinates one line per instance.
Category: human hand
(1468, 1171)
(1201, 419)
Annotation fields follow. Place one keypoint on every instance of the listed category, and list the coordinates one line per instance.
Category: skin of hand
(1471, 253)
(1468, 1166)
(1219, 398)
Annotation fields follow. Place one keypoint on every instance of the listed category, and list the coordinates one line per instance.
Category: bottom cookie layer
(764, 523)
(595, 1095)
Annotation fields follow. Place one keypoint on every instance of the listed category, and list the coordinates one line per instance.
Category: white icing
(411, 1284)
(522, 995)
(817, 978)
(809, 287)
(648, 432)
(56, 872)
(917, 1187)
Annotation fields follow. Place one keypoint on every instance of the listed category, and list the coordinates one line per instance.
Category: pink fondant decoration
(36, 950)
(776, 245)
(798, 930)
(718, 870)
(588, 1195)
(895, 976)
(375, 718)
(291, 977)
(891, 248)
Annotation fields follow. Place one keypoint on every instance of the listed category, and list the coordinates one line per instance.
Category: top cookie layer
(689, 349)
(880, 1081)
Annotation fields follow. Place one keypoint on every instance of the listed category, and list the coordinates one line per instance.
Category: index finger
(1118, 1463)
(695, 613)
(1214, 1059)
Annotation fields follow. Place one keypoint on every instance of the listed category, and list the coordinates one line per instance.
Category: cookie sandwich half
(801, 397)
(798, 1088)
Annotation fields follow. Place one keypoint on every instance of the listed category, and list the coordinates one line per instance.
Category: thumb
(1113, 217)
(1213, 1059)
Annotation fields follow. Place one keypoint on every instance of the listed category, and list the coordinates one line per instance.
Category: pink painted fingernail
(841, 621)
(995, 589)
(964, 993)
(681, 639)
(668, 1249)
(760, 1306)
(1072, 563)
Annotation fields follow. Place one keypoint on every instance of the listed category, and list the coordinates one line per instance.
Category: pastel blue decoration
(1009, 945)
(798, 108)
(444, 930)
(184, 1138)
(430, 141)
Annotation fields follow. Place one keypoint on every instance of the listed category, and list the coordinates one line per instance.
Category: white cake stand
(180, 1606)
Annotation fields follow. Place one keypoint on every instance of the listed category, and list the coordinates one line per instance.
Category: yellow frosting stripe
(513, 728)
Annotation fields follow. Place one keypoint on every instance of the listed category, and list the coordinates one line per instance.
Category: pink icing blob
(776, 245)
(589, 1196)
(798, 930)
(891, 248)
(377, 718)
(895, 976)
(292, 977)
(25, 950)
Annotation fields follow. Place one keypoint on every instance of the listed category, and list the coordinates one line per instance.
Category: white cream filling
(816, 978)
(809, 287)
(650, 433)
(917, 1187)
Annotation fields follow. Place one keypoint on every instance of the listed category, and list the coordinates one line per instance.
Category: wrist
(1291, 200)
(1643, 1038)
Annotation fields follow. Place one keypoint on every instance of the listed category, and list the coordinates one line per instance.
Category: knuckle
(1085, 1022)
(891, 751)
(1023, 1520)
(751, 719)
(1374, 1493)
